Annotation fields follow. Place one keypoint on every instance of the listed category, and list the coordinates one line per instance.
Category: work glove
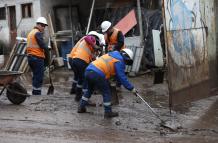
(134, 91)
(49, 47)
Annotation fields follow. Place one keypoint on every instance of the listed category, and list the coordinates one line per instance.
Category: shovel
(51, 87)
(163, 123)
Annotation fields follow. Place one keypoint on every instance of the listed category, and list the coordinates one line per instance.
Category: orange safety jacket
(83, 51)
(112, 40)
(32, 45)
(106, 64)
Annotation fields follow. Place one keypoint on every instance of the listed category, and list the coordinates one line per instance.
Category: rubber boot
(78, 94)
(36, 92)
(73, 89)
(81, 109)
(110, 114)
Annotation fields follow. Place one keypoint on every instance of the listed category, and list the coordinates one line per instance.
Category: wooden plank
(16, 61)
(20, 57)
(11, 56)
(23, 65)
(51, 33)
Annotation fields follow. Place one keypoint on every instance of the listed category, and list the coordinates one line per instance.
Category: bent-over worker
(97, 76)
(81, 55)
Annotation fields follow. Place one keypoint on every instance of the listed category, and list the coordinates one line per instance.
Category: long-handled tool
(163, 123)
(51, 87)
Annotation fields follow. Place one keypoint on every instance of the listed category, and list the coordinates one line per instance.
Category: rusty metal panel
(187, 52)
(127, 22)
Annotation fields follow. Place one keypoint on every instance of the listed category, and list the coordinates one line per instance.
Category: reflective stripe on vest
(106, 64)
(32, 45)
(82, 50)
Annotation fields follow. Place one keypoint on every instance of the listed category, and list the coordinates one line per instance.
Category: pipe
(141, 49)
(90, 17)
(140, 23)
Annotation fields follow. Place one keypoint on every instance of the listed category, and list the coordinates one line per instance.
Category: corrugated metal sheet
(187, 50)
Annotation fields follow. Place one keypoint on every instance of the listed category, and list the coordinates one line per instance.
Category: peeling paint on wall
(187, 50)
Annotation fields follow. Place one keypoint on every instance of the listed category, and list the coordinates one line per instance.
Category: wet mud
(54, 118)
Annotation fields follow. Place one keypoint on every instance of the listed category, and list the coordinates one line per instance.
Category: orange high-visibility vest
(83, 51)
(106, 64)
(112, 40)
(32, 45)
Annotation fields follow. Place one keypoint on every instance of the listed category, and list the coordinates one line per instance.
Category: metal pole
(140, 23)
(140, 51)
(90, 16)
(71, 23)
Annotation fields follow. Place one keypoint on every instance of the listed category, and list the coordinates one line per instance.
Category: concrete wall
(209, 17)
(4, 31)
(40, 8)
(216, 19)
(25, 24)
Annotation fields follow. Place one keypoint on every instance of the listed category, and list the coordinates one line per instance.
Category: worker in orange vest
(99, 72)
(114, 38)
(36, 48)
(81, 55)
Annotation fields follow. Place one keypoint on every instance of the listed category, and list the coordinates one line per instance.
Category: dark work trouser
(78, 66)
(37, 66)
(95, 81)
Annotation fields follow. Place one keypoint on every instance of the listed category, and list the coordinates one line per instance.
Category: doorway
(12, 25)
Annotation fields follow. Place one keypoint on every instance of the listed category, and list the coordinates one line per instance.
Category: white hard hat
(99, 35)
(128, 52)
(42, 20)
(93, 33)
(105, 25)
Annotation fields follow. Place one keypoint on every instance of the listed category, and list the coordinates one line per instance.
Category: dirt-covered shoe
(90, 103)
(110, 114)
(81, 110)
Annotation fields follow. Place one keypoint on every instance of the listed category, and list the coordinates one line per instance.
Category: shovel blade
(50, 90)
(114, 97)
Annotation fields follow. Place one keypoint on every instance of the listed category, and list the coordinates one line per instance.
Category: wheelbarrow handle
(2, 90)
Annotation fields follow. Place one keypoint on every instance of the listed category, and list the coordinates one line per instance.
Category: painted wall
(191, 47)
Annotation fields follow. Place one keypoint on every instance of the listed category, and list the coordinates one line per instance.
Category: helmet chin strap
(126, 58)
(128, 61)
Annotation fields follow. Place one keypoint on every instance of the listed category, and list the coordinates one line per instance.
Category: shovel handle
(152, 110)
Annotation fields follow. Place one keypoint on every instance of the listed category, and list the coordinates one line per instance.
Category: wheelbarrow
(16, 93)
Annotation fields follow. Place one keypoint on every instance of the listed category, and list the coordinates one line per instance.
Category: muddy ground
(54, 118)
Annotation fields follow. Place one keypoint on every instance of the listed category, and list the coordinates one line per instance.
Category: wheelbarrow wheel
(16, 93)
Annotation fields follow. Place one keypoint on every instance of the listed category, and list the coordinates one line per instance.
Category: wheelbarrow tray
(7, 77)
